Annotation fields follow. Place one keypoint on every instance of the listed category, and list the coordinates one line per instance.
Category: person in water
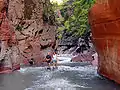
(31, 61)
(54, 60)
(48, 60)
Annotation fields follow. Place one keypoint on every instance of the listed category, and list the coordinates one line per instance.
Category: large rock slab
(104, 18)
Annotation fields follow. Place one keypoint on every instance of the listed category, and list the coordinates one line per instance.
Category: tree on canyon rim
(74, 16)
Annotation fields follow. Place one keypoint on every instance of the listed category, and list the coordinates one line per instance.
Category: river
(68, 76)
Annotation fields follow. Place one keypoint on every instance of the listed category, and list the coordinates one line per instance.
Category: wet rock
(85, 56)
(77, 46)
(68, 39)
(70, 43)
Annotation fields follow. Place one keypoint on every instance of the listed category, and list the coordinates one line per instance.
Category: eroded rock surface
(28, 26)
(104, 19)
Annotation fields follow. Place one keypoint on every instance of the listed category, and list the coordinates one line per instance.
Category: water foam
(51, 83)
(57, 84)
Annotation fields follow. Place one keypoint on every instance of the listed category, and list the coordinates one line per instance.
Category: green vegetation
(74, 16)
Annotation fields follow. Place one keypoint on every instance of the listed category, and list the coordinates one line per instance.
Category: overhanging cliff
(104, 18)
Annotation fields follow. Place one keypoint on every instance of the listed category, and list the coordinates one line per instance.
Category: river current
(68, 76)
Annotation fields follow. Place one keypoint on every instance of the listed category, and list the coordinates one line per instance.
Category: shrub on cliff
(74, 16)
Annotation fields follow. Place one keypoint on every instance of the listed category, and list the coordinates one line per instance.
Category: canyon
(28, 31)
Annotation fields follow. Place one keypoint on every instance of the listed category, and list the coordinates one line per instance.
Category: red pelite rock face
(9, 51)
(34, 28)
(26, 31)
(104, 19)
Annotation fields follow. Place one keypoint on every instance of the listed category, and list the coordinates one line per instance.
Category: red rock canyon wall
(104, 18)
(27, 31)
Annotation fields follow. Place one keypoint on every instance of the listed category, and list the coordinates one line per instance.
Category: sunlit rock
(105, 24)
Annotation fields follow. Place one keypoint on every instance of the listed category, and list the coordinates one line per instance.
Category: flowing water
(69, 76)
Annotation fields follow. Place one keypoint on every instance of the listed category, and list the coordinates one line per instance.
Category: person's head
(32, 59)
(54, 52)
(49, 53)
(31, 62)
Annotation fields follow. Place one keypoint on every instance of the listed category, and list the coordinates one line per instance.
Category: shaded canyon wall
(31, 28)
(104, 18)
